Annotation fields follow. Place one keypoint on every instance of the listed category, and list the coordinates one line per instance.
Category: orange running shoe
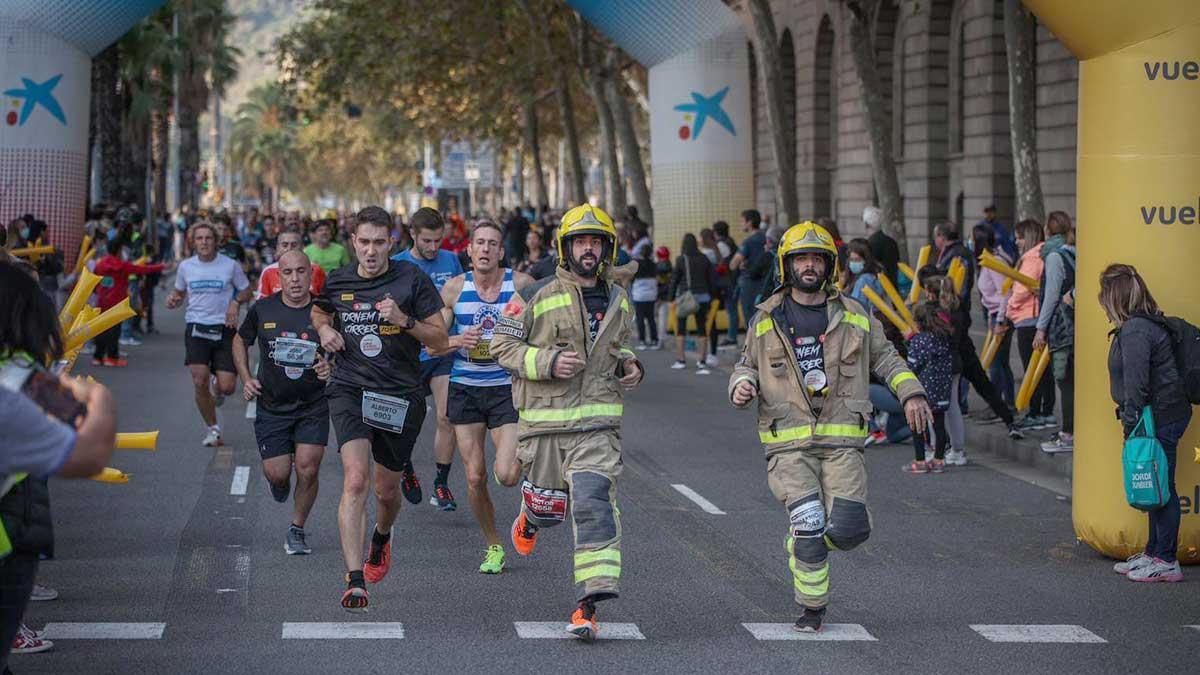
(379, 561)
(524, 535)
(115, 363)
(583, 622)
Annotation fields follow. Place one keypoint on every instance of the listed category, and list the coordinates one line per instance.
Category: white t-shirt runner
(209, 287)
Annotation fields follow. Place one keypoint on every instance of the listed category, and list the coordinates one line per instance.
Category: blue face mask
(857, 266)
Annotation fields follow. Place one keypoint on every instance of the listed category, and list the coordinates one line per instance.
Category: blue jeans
(731, 313)
(747, 290)
(897, 426)
(1164, 522)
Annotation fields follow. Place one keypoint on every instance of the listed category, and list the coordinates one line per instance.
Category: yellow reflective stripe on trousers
(573, 414)
(531, 363)
(763, 326)
(597, 571)
(810, 583)
(588, 557)
(857, 320)
(801, 433)
(552, 302)
(9, 483)
(901, 378)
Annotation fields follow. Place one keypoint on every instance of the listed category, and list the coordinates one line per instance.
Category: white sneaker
(43, 593)
(712, 361)
(1133, 562)
(213, 438)
(929, 455)
(956, 457)
(701, 369)
(641, 347)
(27, 641)
(679, 365)
(1156, 570)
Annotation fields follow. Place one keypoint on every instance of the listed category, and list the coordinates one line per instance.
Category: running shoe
(810, 621)
(875, 438)
(1059, 442)
(493, 560)
(916, 467)
(280, 493)
(583, 622)
(410, 485)
(356, 598)
(295, 543)
(642, 346)
(28, 642)
(701, 369)
(679, 365)
(442, 499)
(129, 342)
(1133, 562)
(1015, 432)
(378, 561)
(1156, 571)
(956, 457)
(115, 363)
(213, 438)
(43, 593)
(524, 535)
(1046, 422)
(937, 466)
(98, 363)
(712, 361)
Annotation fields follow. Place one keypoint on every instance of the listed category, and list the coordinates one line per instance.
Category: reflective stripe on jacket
(855, 347)
(551, 322)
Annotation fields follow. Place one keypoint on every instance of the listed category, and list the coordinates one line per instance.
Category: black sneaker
(281, 492)
(810, 621)
(1015, 433)
(411, 487)
(442, 499)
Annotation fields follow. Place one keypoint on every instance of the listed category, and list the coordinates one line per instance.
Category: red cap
(662, 253)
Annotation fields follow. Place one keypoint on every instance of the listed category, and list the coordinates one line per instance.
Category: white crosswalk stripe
(241, 477)
(554, 630)
(1037, 633)
(104, 631)
(344, 630)
(830, 632)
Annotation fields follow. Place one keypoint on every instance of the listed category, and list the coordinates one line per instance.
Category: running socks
(379, 539)
(443, 473)
(354, 579)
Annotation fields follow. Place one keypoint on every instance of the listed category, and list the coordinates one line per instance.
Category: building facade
(943, 66)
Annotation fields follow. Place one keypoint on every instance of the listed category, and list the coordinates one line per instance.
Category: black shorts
(468, 404)
(216, 354)
(390, 449)
(278, 435)
(435, 367)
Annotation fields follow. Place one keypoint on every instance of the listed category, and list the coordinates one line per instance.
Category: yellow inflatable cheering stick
(79, 296)
(107, 319)
(922, 260)
(1033, 375)
(884, 309)
(111, 475)
(993, 263)
(142, 440)
(31, 252)
(907, 271)
(894, 296)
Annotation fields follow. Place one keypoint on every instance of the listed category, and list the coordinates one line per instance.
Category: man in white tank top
(480, 398)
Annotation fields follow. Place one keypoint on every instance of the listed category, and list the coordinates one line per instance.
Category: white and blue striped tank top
(476, 367)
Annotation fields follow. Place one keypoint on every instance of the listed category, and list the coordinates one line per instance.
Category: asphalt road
(968, 548)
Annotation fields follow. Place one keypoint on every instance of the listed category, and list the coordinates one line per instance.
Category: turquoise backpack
(1145, 467)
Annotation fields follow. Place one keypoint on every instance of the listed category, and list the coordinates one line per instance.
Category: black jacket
(26, 513)
(703, 274)
(1142, 370)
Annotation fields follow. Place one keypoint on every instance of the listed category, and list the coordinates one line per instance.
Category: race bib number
(213, 333)
(482, 351)
(293, 352)
(544, 503)
(384, 412)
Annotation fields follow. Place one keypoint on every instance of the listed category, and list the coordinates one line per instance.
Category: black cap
(989, 207)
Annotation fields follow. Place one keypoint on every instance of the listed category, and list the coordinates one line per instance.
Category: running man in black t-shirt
(375, 315)
(292, 416)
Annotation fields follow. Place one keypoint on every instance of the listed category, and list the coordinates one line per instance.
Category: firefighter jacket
(547, 320)
(854, 346)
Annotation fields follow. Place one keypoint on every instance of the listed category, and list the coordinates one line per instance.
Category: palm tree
(263, 143)
(207, 64)
(147, 55)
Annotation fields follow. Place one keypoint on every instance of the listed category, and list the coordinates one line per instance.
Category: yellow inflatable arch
(1138, 203)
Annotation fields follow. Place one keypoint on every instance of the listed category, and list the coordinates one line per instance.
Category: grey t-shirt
(34, 442)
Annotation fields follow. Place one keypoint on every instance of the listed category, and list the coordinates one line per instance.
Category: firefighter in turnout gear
(565, 340)
(809, 356)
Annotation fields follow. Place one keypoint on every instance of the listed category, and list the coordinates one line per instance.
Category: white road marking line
(346, 630)
(241, 477)
(830, 632)
(105, 631)
(695, 497)
(1047, 633)
(1193, 627)
(556, 630)
(252, 409)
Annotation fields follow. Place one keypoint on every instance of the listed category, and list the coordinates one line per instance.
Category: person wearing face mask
(862, 271)
(808, 359)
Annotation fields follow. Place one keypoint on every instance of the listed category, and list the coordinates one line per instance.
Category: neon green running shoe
(493, 560)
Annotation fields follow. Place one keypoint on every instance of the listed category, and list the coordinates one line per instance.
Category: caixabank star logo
(700, 110)
(32, 95)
